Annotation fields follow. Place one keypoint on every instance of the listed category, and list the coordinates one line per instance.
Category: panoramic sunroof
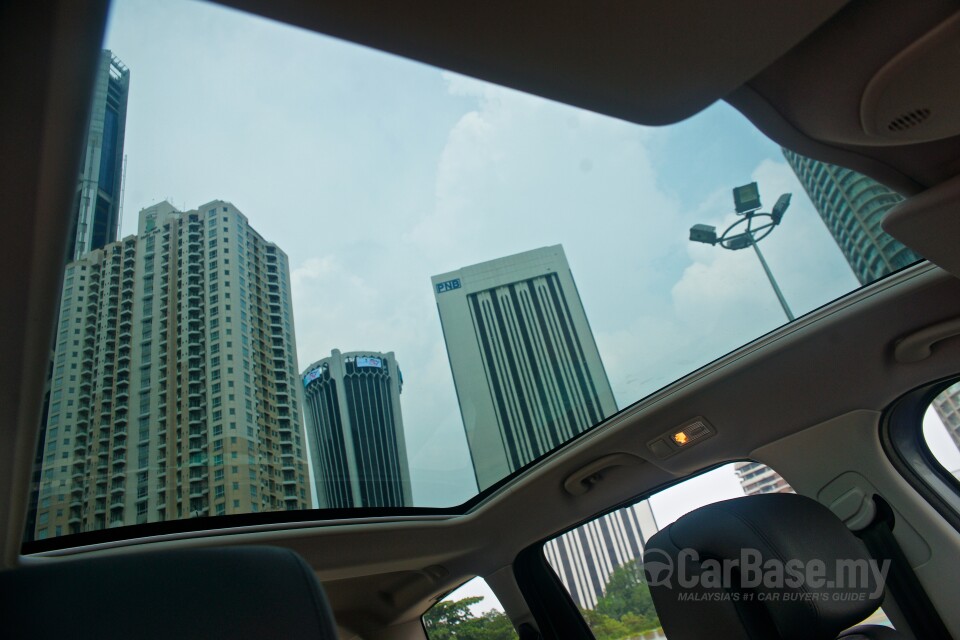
(309, 275)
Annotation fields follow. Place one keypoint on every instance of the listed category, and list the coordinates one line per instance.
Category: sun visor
(929, 223)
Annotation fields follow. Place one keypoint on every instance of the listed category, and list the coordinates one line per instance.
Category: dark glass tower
(852, 206)
(97, 213)
(355, 430)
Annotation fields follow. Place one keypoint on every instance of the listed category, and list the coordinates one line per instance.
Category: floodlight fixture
(747, 231)
(703, 233)
(780, 208)
(746, 198)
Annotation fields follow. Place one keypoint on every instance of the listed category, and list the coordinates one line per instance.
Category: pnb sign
(449, 285)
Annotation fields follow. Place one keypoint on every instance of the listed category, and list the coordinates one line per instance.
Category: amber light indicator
(693, 431)
(682, 437)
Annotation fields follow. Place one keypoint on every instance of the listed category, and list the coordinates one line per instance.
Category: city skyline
(370, 197)
(355, 429)
(174, 389)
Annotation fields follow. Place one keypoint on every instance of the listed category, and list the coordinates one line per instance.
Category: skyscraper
(529, 377)
(585, 557)
(852, 206)
(355, 430)
(174, 388)
(526, 367)
(97, 214)
(757, 478)
(947, 405)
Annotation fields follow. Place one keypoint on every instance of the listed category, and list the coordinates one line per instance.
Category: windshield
(309, 275)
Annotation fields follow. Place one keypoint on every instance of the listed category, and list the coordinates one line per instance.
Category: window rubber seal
(901, 436)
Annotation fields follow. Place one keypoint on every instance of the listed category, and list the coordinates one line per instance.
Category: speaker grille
(908, 120)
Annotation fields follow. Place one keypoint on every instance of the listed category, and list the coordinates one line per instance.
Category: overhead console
(915, 97)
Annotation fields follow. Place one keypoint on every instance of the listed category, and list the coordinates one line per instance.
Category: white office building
(529, 378)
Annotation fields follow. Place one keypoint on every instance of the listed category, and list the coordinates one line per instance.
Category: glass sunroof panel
(309, 275)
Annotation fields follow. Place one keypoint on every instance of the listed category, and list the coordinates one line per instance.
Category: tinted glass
(330, 278)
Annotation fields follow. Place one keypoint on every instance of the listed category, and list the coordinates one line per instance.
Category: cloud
(722, 299)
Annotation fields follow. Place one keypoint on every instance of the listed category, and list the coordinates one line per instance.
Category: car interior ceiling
(801, 399)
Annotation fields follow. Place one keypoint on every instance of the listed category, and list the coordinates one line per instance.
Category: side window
(471, 612)
(941, 429)
(600, 562)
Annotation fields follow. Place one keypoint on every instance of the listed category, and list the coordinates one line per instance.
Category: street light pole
(748, 231)
(773, 281)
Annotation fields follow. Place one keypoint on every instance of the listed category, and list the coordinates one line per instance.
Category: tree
(604, 627)
(627, 593)
(453, 620)
(447, 615)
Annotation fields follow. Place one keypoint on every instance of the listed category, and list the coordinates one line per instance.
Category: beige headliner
(833, 362)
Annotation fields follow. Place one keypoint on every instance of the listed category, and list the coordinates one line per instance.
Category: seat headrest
(242, 592)
(768, 566)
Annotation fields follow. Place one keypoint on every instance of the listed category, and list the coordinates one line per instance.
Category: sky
(374, 173)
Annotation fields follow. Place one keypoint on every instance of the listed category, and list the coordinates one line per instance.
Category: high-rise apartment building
(97, 214)
(529, 377)
(947, 405)
(175, 386)
(355, 430)
(757, 478)
(852, 206)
